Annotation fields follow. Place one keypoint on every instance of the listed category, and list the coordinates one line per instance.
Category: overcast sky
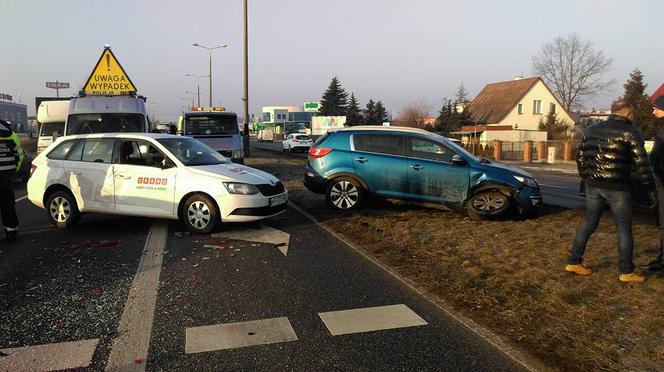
(391, 50)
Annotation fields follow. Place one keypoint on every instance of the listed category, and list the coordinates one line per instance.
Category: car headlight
(241, 188)
(527, 181)
(238, 154)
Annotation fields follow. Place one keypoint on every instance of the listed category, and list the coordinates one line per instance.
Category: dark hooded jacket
(612, 154)
(11, 154)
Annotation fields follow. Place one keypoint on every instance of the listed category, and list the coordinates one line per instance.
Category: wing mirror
(458, 160)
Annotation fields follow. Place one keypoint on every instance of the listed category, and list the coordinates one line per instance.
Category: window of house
(520, 108)
(537, 106)
(552, 108)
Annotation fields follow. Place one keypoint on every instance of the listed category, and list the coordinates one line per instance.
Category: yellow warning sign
(108, 78)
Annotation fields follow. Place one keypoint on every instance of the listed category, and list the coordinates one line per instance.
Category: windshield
(192, 152)
(209, 125)
(47, 129)
(105, 123)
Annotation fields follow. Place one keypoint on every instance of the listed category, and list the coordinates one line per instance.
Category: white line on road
(370, 319)
(234, 335)
(133, 340)
(555, 187)
(49, 357)
(21, 198)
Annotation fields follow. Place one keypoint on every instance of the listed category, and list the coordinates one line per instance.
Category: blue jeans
(620, 203)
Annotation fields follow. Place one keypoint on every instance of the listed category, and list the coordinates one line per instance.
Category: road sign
(108, 78)
(311, 106)
(57, 85)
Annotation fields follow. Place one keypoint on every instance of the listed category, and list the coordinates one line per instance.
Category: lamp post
(245, 98)
(198, 85)
(210, 49)
(192, 97)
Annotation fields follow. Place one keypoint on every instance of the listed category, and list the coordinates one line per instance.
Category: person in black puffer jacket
(657, 160)
(610, 153)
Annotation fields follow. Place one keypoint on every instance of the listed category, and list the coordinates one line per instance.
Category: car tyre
(62, 210)
(488, 204)
(344, 193)
(199, 214)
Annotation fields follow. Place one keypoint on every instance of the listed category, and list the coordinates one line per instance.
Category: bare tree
(413, 114)
(572, 68)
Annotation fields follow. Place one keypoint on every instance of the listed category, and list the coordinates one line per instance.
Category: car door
(379, 159)
(90, 175)
(432, 177)
(144, 180)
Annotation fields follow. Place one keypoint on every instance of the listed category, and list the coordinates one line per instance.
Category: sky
(396, 51)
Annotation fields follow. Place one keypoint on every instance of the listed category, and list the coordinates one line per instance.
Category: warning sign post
(108, 78)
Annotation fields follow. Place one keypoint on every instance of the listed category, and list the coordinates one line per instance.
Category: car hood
(496, 165)
(235, 173)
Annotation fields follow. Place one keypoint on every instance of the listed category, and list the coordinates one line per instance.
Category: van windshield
(47, 129)
(209, 125)
(105, 123)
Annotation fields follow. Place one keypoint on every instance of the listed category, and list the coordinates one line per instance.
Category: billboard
(322, 124)
(311, 106)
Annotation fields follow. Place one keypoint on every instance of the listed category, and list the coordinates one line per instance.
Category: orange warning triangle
(108, 78)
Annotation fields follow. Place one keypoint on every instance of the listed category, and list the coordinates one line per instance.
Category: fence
(526, 151)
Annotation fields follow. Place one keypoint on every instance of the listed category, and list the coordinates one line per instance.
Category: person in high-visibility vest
(11, 159)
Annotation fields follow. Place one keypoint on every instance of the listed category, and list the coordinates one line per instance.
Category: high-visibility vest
(11, 152)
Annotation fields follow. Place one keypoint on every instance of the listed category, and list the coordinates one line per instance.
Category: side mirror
(458, 161)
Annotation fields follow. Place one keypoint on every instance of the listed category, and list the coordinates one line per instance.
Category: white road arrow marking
(261, 234)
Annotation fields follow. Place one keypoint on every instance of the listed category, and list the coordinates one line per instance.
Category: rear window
(303, 138)
(380, 144)
(321, 139)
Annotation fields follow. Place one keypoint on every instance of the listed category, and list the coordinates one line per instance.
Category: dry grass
(508, 276)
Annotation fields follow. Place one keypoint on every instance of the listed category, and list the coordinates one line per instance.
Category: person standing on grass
(11, 158)
(610, 152)
(657, 160)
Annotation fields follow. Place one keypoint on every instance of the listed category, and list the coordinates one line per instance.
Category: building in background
(286, 119)
(512, 110)
(657, 93)
(15, 113)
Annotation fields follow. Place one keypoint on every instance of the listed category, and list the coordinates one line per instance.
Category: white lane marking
(49, 357)
(234, 335)
(21, 198)
(518, 356)
(262, 234)
(555, 187)
(370, 319)
(135, 327)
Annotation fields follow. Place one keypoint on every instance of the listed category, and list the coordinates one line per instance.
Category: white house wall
(528, 120)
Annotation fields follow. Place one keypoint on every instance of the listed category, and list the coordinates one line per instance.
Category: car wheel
(488, 204)
(199, 214)
(344, 193)
(62, 210)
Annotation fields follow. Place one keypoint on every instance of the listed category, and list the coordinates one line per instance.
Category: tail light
(33, 168)
(319, 152)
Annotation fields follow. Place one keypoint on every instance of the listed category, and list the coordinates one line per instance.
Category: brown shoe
(631, 278)
(578, 270)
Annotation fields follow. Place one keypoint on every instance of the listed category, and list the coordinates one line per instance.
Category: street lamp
(198, 85)
(210, 49)
(192, 98)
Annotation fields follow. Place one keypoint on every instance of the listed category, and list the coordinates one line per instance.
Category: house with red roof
(658, 92)
(512, 110)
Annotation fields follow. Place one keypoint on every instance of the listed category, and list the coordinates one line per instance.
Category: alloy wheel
(489, 202)
(198, 215)
(60, 209)
(344, 195)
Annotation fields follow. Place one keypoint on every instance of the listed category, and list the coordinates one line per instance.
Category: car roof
(382, 128)
(154, 136)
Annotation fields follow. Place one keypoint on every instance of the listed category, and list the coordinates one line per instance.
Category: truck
(51, 116)
(106, 114)
(215, 127)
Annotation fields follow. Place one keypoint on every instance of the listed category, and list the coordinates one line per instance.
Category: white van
(51, 116)
(106, 114)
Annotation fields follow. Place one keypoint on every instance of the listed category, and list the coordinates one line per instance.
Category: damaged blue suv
(412, 164)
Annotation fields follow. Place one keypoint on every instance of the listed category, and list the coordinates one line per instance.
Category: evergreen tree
(634, 95)
(381, 113)
(556, 129)
(353, 112)
(448, 120)
(369, 113)
(334, 100)
(461, 95)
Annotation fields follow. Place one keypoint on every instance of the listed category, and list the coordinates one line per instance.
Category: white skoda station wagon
(150, 175)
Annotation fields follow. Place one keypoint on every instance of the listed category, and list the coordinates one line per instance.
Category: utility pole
(245, 138)
(210, 50)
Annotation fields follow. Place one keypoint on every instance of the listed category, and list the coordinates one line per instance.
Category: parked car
(412, 164)
(150, 175)
(297, 142)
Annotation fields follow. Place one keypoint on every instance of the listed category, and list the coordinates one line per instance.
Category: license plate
(278, 200)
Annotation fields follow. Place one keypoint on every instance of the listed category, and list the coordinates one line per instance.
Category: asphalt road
(320, 306)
